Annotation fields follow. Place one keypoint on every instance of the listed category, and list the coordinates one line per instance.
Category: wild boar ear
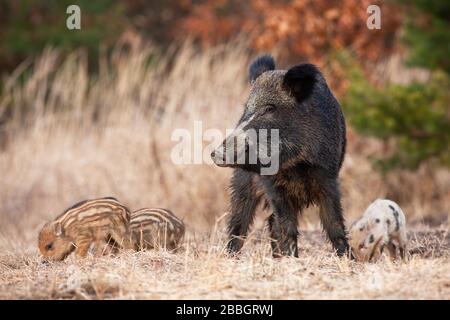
(259, 66)
(300, 80)
(59, 229)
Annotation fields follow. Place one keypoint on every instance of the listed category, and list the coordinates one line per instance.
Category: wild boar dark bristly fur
(299, 103)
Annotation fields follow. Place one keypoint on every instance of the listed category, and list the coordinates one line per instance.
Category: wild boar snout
(232, 150)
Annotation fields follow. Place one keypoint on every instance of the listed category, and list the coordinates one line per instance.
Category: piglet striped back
(156, 227)
(95, 213)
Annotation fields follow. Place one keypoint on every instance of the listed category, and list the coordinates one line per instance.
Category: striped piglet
(156, 228)
(96, 221)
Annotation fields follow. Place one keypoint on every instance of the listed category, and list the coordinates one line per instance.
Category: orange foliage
(300, 29)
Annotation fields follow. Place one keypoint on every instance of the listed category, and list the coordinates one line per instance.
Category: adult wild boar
(294, 163)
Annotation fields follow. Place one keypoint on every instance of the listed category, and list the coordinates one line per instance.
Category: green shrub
(27, 26)
(416, 117)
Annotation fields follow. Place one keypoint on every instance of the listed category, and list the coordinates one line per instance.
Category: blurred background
(90, 112)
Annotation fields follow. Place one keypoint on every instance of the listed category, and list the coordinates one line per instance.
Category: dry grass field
(75, 136)
(202, 271)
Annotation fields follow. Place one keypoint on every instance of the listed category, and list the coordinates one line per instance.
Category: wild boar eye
(377, 220)
(270, 108)
(361, 229)
(49, 246)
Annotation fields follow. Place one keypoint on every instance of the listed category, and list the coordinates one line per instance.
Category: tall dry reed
(73, 135)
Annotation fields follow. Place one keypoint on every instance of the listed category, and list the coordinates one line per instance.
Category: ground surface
(201, 271)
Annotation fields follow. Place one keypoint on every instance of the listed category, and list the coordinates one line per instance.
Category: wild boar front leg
(243, 206)
(392, 248)
(121, 239)
(283, 232)
(332, 218)
(82, 245)
(283, 222)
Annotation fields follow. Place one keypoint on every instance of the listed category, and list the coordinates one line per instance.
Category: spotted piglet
(382, 225)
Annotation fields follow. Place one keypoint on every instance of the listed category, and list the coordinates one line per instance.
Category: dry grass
(202, 271)
(75, 136)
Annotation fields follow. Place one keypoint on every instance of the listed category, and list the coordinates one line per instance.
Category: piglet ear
(300, 80)
(59, 229)
(259, 66)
